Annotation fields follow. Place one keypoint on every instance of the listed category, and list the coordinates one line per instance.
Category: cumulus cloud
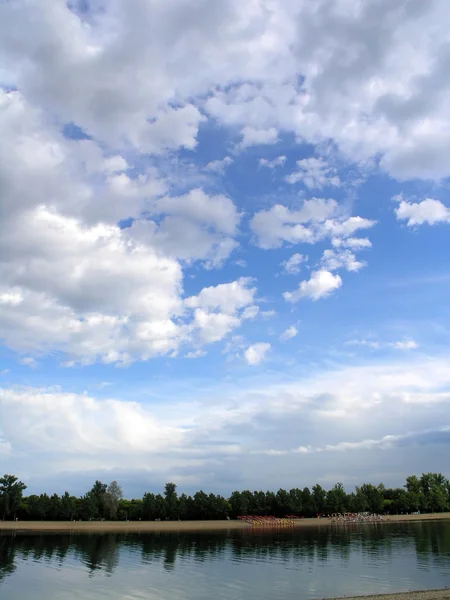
(365, 404)
(217, 211)
(109, 222)
(272, 164)
(195, 354)
(387, 98)
(369, 104)
(68, 297)
(333, 260)
(220, 309)
(229, 297)
(406, 345)
(352, 243)
(429, 211)
(72, 279)
(321, 284)
(219, 166)
(257, 137)
(256, 353)
(314, 173)
(317, 219)
(289, 333)
(293, 264)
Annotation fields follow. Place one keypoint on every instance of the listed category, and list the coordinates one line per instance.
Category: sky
(224, 245)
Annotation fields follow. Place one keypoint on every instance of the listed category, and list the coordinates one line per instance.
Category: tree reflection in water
(101, 553)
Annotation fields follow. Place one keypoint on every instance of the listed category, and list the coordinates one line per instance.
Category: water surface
(252, 564)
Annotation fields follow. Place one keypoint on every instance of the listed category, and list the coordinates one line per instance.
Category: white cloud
(72, 280)
(272, 164)
(369, 104)
(267, 314)
(406, 344)
(384, 443)
(68, 298)
(28, 361)
(352, 243)
(240, 262)
(369, 343)
(387, 97)
(256, 353)
(195, 354)
(257, 137)
(349, 226)
(219, 166)
(291, 332)
(250, 312)
(428, 211)
(321, 284)
(292, 266)
(333, 260)
(398, 405)
(221, 309)
(314, 173)
(279, 224)
(317, 219)
(228, 297)
(217, 211)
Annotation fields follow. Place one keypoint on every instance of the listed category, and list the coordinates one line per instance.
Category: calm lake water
(301, 564)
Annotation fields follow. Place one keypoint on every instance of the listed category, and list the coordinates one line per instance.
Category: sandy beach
(425, 595)
(168, 526)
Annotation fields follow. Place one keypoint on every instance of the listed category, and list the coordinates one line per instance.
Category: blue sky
(224, 257)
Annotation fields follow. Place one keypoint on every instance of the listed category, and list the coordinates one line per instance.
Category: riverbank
(425, 595)
(168, 526)
(121, 526)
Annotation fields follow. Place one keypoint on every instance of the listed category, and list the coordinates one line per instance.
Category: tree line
(428, 493)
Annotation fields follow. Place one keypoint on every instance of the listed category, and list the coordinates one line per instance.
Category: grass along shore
(168, 526)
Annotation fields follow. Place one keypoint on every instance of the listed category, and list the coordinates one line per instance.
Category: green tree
(415, 494)
(111, 498)
(320, 498)
(171, 497)
(68, 506)
(149, 506)
(182, 507)
(309, 507)
(400, 501)
(413, 484)
(374, 497)
(360, 502)
(437, 499)
(239, 502)
(94, 505)
(43, 506)
(55, 507)
(11, 492)
(201, 502)
(160, 507)
(337, 499)
(284, 503)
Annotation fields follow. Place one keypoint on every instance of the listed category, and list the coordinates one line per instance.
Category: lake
(251, 564)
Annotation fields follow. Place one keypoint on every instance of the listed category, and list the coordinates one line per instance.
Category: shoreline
(175, 526)
(442, 594)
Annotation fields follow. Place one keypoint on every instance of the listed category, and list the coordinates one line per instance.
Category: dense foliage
(428, 493)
